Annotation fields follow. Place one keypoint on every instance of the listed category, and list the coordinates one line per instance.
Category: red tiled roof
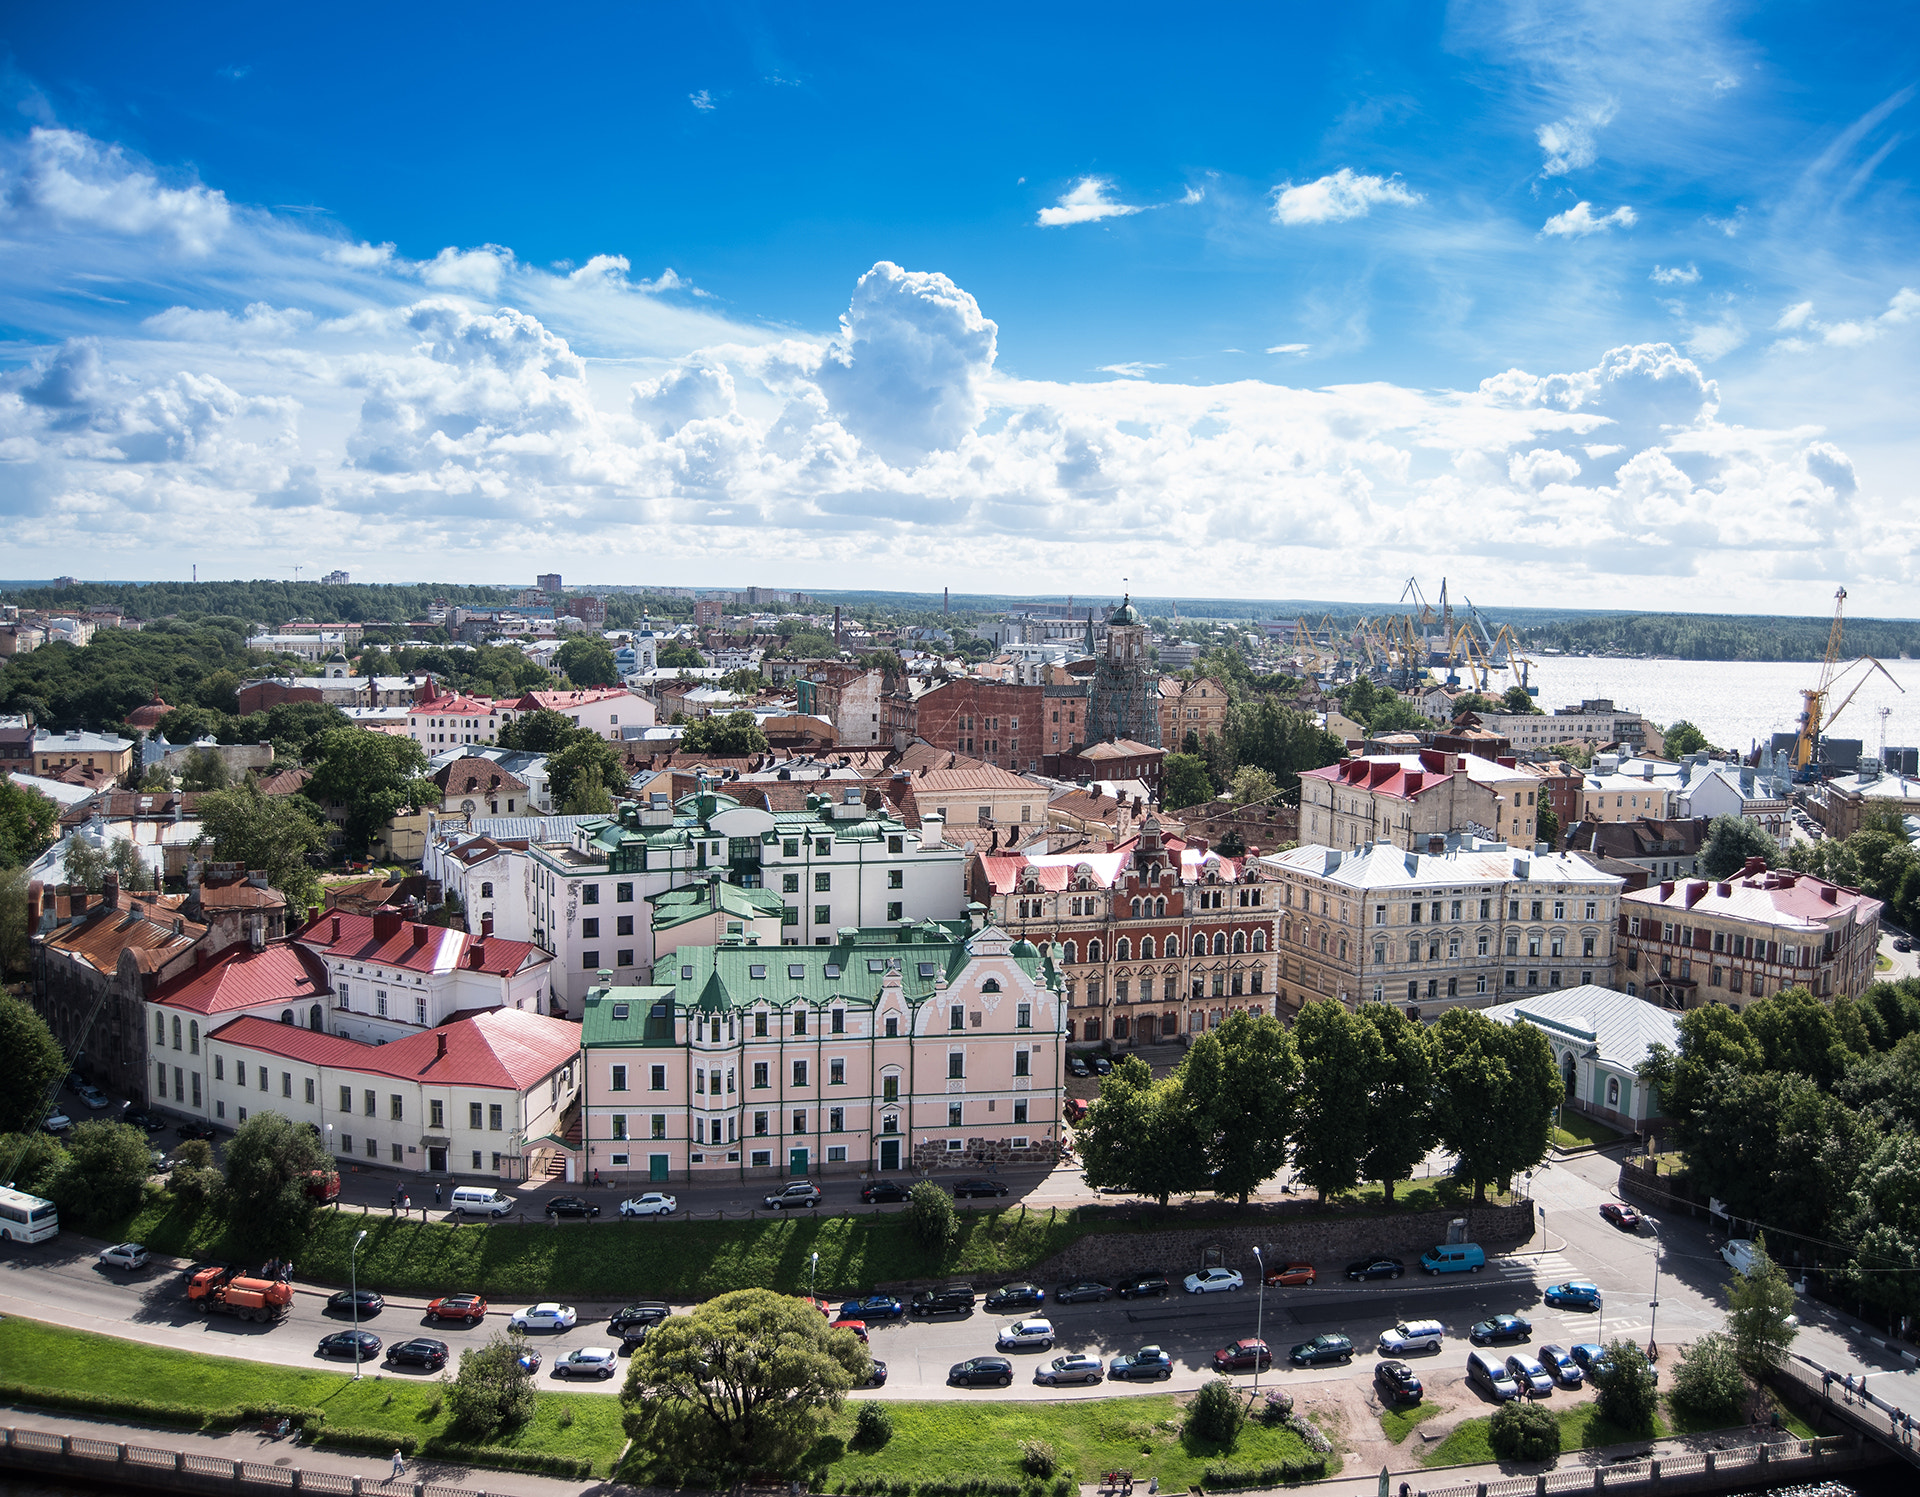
(284, 781)
(560, 701)
(242, 978)
(390, 943)
(107, 930)
(504, 1048)
(477, 777)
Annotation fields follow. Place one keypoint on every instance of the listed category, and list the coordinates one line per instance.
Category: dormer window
(796, 971)
(757, 972)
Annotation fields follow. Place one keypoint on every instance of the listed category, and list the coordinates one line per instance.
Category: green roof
(676, 907)
(618, 1016)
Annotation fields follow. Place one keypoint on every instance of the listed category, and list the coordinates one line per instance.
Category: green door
(889, 1153)
(796, 1161)
(657, 1167)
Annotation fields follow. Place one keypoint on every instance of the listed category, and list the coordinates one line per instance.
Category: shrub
(1038, 1458)
(1709, 1381)
(1216, 1414)
(492, 1391)
(872, 1426)
(1279, 1473)
(504, 1458)
(1627, 1390)
(931, 1216)
(380, 1441)
(1275, 1405)
(1524, 1432)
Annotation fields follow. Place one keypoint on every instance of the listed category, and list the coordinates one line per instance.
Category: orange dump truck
(220, 1291)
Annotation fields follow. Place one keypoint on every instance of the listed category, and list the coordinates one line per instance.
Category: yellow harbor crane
(1815, 719)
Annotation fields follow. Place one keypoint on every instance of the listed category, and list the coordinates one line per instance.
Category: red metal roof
(244, 978)
(390, 941)
(505, 1048)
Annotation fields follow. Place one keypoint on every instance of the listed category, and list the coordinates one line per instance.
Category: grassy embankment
(1583, 1428)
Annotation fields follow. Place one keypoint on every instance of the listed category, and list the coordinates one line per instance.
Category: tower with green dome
(1126, 696)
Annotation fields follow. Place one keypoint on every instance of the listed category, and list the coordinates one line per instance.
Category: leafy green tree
(1684, 738)
(585, 762)
(272, 833)
(1882, 1221)
(1710, 1038)
(542, 731)
(158, 780)
(190, 724)
(1760, 1315)
(587, 662)
(743, 1383)
(219, 690)
(16, 941)
(205, 770)
(31, 1160)
(1478, 704)
(1799, 1033)
(268, 1165)
(750, 683)
(1400, 1122)
(1253, 786)
(105, 1173)
(1141, 1135)
(1216, 1416)
(35, 1062)
(195, 1178)
(671, 657)
(1731, 840)
(28, 821)
(1773, 1146)
(1628, 1394)
(1547, 826)
(589, 797)
(1184, 781)
(1517, 698)
(734, 736)
(1240, 1084)
(1395, 714)
(930, 1216)
(493, 1393)
(1709, 1382)
(1496, 1090)
(86, 866)
(1524, 1432)
(1339, 1056)
(375, 776)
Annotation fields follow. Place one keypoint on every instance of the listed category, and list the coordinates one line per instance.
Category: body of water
(1736, 703)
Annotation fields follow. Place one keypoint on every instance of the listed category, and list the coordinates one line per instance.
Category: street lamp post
(1259, 1319)
(1653, 1346)
(353, 1296)
(813, 1275)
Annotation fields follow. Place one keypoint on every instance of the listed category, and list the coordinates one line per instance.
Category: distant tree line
(1685, 636)
(271, 603)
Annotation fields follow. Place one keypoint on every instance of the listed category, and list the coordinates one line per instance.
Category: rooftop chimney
(419, 936)
(486, 926)
(386, 924)
(477, 955)
(336, 928)
(440, 1044)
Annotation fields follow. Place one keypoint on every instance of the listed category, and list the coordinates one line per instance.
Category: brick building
(1196, 707)
(997, 721)
(1407, 799)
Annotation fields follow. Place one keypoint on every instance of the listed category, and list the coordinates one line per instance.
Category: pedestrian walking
(399, 1462)
(436, 1192)
(1826, 1383)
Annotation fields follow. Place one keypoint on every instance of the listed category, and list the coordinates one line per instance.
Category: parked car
(1529, 1374)
(1016, 1297)
(949, 1299)
(1025, 1335)
(528, 1361)
(977, 1186)
(343, 1301)
(1144, 1286)
(1214, 1281)
(1591, 1358)
(1076, 1109)
(342, 1343)
(1101, 1065)
(57, 1122)
(878, 1377)
(587, 1361)
(1621, 1215)
(1081, 1367)
(1077, 1066)
(124, 1255)
(1491, 1376)
(1083, 1289)
(1561, 1366)
(1902, 943)
(468, 1307)
(1328, 1347)
(873, 1307)
(152, 1122)
(159, 1162)
(650, 1204)
(1291, 1275)
(572, 1206)
(882, 1191)
(982, 1372)
(1376, 1268)
(546, 1316)
(1576, 1294)
(1398, 1383)
(1500, 1328)
(422, 1351)
(799, 1193)
(1139, 1366)
(635, 1316)
(92, 1096)
(1411, 1336)
(1244, 1355)
(194, 1130)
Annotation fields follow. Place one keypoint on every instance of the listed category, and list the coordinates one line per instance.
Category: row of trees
(1692, 636)
(272, 603)
(1265, 734)
(1343, 1097)
(1877, 859)
(1804, 1119)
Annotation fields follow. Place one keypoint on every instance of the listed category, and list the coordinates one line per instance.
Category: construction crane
(1472, 658)
(1516, 663)
(1815, 719)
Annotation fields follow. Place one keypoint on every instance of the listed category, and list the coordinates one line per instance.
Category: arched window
(1219, 943)
(314, 1018)
(1159, 907)
(1069, 1031)
(1173, 945)
(1093, 950)
(1136, 909)
(286, 1016)
(1146, 948)
(991, 985)
(1259, 940)
(486, 891)
(1613, 1091)
(1073, 951)
(1123, 950)
(1239, 942)
(193, 1037)
(176, 1031)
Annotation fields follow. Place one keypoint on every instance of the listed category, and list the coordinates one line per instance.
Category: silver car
(1028, 1334)
(588, 1361)
(1528, 1373)
(124, 1255)
(1081, 1367)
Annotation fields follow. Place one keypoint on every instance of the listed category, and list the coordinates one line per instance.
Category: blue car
(874, 1307)
(1591, 1359)
(1576, 1295)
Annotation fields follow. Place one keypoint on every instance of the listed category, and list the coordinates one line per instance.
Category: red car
(858, 1327)
(1622, 1216)
(1247, 1355)
(1291, 1274)
(468, 1307)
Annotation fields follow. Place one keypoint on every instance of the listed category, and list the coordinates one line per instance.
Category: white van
(1738, 1254)
(1490, 1374)
(480, 1200)
(1412, 1335)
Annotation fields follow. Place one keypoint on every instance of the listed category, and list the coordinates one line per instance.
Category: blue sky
(1613, 300)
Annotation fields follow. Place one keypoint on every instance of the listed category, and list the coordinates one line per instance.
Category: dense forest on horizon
(261, 602)
(1692, 636)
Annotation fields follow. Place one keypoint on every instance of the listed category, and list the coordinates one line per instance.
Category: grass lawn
(1397, 1424)
(1441, 1191)
(1576, 1131)
(1882, 962)
(1581, 1428)
(52, 1357)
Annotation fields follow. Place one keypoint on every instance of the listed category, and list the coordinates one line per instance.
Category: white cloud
(1794, 317)
(1902, 308)
(701, 100)
(73, 181)
(1579, 221)
(1676, 275)
(1716, 339)
(1338, 197)
(1136, 370)
(1191, 196)
(1569, 143)
(1540, 467)
(1731, 225)
(1088, 201)
(480, 270)
(1290, 348)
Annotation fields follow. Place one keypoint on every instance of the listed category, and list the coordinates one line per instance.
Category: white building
(605, 710)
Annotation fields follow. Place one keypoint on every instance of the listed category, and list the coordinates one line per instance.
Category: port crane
(1815, 719)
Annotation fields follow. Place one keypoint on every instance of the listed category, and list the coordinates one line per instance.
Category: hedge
(1280, 1473)
(155, 1411)
(506, 1458)
(977, 1486)
(379, 1441)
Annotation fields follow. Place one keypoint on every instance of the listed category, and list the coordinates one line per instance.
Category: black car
(152, 1122)
(950, 1299)
(1326, 1348)
(1500, 1328)
(883, 1190)
(1144, 1285)
(994, 1372)
(422, 1351)
(343, 1303)
(632, 1337)
(341, 1344)
(878, 1377)
(1376, 1268)
(1017, 1297)
(1102, 1066)
(1077, 1066)
(571, 1206)
(978, 1187)
(638, 1316)
(1398, 1382)
(1082, 1289)
(194, 1130)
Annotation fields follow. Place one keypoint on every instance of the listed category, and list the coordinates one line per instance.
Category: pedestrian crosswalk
(1552, 1267)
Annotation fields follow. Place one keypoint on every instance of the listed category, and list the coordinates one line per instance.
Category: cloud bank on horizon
(236, 385)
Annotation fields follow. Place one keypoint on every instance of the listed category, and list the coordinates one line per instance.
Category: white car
(1027, 1333)
(1213, 1280)
(650, 1204)
(547, 1317)
(588, 1361)
(126, 1255)
(57, 1122)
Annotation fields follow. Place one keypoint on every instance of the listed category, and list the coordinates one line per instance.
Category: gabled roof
(471, 776)
(1778, 898)
(241, 978)
(675, 907)
(105, 931)
(1118, 748)
(1619, 1028)
(505, 1048)
(343, 936)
